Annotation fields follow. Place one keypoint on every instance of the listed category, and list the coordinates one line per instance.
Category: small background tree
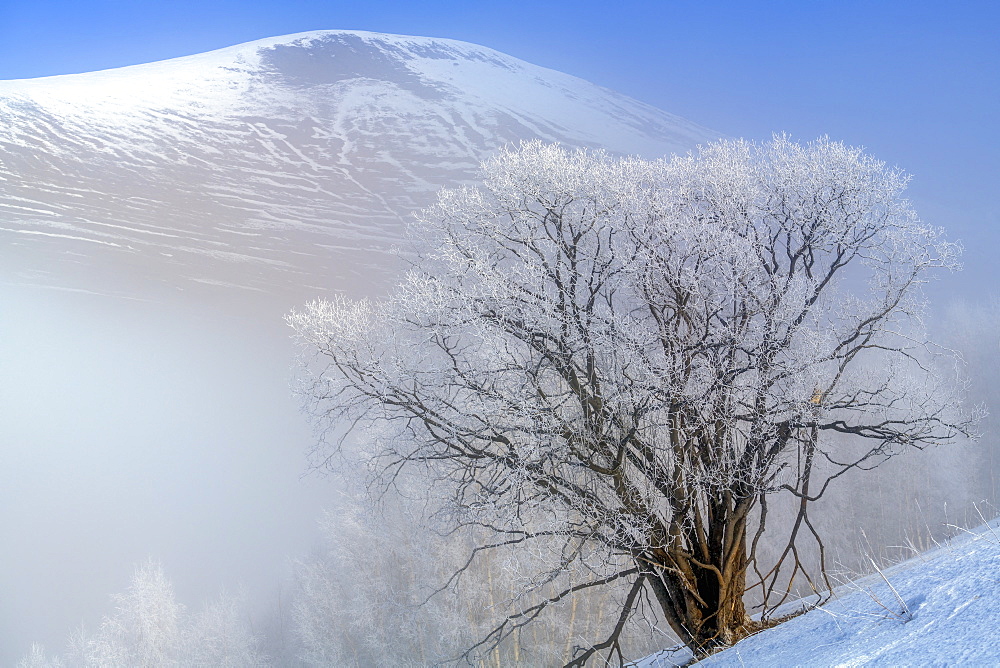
(618, 366)
(150, 628)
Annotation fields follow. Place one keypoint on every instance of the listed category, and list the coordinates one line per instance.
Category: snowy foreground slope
(284, 165)
(947, 613)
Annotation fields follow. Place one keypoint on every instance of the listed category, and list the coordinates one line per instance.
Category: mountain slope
(285, 165)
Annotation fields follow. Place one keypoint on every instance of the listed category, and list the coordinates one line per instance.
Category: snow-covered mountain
(286, 165)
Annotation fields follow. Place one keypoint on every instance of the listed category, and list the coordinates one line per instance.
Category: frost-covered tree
(366, 596)
(973, 328)
(149, 628)
(144, 629)
(615, 366)
(37, 658)
(220, 636)
(358, 597)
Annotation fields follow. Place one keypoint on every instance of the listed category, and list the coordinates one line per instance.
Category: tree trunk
(703, 603)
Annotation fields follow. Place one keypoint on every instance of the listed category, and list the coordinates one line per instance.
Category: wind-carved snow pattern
(285, 166)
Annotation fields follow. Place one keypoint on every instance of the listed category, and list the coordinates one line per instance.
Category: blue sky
(917, 82)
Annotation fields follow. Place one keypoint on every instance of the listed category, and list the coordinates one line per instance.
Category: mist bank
(167, 429)
(134, 429)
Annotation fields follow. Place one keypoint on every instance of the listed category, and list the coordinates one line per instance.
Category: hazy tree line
(149, 627)
(362, 598)
(401, 576)
(354, 601)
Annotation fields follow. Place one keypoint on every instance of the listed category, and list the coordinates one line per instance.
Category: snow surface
(947, 614)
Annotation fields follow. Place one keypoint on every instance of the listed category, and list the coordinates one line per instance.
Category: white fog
(137, 430)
